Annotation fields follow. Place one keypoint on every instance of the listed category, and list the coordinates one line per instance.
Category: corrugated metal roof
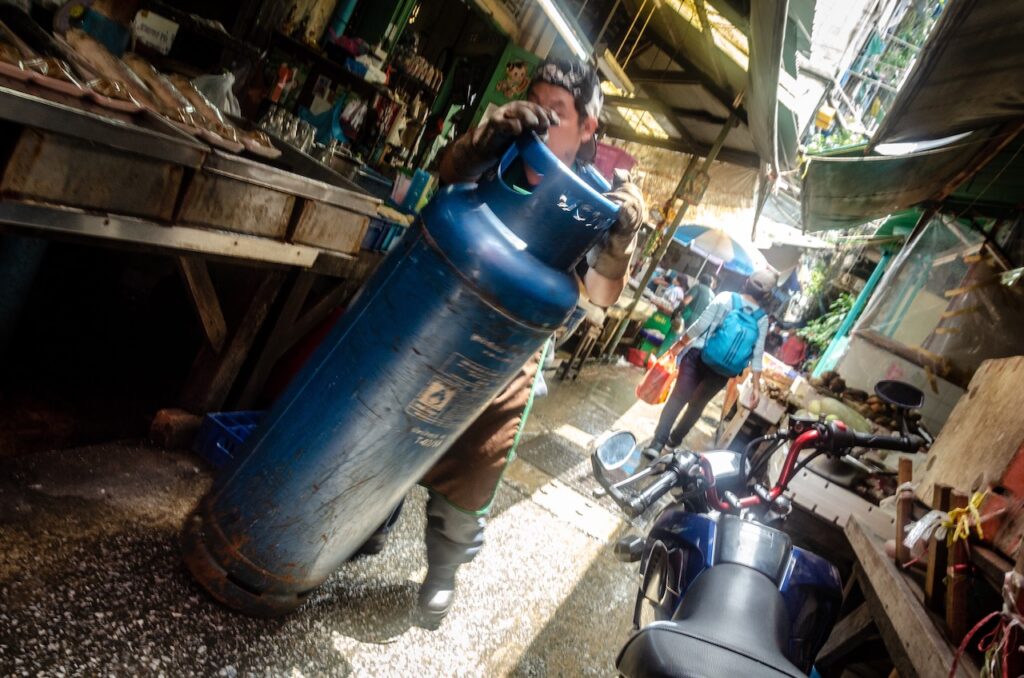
(689, 77)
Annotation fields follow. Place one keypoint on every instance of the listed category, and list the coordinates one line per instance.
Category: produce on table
(834, 409)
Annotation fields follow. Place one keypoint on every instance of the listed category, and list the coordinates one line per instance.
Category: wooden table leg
(904, 510)
(290, 328)
(938, 552)
(204, 300)
(957, 581)
(213, 373)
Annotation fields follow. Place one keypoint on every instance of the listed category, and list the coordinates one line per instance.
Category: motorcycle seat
(732, 622)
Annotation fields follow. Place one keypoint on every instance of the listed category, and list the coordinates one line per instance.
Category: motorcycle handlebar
(643, 501)
(847, 439)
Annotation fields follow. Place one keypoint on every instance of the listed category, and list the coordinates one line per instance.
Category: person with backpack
(727, 337)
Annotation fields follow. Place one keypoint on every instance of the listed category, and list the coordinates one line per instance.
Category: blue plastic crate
(373, 234)
(222, 433)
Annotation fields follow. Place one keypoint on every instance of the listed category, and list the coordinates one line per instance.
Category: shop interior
(349, 100)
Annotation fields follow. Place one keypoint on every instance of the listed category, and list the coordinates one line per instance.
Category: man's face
(565, 139)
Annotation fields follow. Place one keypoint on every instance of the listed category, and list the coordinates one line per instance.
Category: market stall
(110, 152)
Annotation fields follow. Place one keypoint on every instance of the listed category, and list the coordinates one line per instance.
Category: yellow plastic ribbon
(958, 522)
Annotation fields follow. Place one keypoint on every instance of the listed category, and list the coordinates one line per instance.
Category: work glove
(611, 257)
(475, 152)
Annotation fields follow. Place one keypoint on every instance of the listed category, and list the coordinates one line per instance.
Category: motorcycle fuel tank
(453, 312)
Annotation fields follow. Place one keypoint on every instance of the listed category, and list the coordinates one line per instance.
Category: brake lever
(602, 492)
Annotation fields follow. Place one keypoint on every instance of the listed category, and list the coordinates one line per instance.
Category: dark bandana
(576, 77)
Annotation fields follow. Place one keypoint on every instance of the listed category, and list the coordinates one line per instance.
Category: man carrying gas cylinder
(562, 106)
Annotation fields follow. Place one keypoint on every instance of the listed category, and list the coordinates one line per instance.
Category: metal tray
(143, 133)
(294, 160)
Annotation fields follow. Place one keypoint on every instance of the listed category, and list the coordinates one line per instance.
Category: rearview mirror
(616, 456)
(900, 394)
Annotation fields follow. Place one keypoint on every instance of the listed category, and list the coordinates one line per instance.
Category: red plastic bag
(657, 383)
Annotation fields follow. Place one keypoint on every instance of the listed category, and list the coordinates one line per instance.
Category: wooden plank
(204, 300)
(983, 433)
(221, 202)
(935, 577)
(836, 504)
(117, 230)
(849, 634)
(330, 227)
(992, 565)
(957, 579)
(276, 341)
(904, 510)
(290, 327)
(213, 375)
(925, 359)
(911, 637)
(337, 296)
(58, 169)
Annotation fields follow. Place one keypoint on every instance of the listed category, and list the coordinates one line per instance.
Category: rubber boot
(453, 538)
(379, 539)
(654, 451)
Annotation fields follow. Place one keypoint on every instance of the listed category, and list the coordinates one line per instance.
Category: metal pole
(630, 29)
(640, 34)
(607, 21)
(827, 361)
(670, 232)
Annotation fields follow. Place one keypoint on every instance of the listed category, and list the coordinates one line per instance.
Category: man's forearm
(452, 171)
(601, 290)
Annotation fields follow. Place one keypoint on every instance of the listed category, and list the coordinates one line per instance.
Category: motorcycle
(723, 592)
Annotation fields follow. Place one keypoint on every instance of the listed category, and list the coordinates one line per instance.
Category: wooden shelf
(910, 633)
(327, 66)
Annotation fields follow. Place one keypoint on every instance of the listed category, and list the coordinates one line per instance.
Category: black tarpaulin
(970, 74)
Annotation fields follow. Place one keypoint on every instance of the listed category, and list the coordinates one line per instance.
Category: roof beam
(658, 107)
(684, 133)
(642, 76)
(729, 155)
(706, 82)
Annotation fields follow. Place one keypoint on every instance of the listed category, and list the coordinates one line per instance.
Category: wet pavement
(91, 581)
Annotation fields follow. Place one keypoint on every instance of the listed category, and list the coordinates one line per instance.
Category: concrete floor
(91, 581)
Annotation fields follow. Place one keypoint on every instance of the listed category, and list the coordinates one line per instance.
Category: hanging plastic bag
(218, 89)
(657, 383)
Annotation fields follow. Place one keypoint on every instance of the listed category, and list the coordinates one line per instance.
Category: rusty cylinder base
(227, 588)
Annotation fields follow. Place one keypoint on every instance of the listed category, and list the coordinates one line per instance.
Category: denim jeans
(695, 386)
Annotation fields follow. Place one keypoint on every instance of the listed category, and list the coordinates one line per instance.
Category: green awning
(846, 192)
(900, 224)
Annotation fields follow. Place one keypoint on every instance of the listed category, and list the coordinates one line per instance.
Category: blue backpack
(729, 348)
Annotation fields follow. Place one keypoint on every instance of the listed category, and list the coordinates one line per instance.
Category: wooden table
(134, 181)
(894, 605)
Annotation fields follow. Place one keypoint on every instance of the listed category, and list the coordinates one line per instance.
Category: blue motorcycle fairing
(810, 585)
(812, 591)
(692, 532)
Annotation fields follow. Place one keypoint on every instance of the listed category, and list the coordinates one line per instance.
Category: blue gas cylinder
(453, 312)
